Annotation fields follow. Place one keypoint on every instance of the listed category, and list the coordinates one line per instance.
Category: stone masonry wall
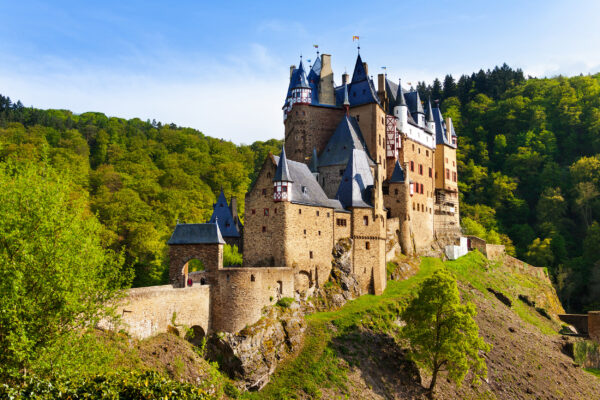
(308, 242)
(341, 229)
(263, 231)
(308, 127)
(368, 258)
(240, 294)
(421, 207)
(594, 325)
(371, 119)
(211, 256)
(148, 311)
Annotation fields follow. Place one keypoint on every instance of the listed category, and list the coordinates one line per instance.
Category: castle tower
(282, 181)
(401, 109)
(398, 204)
(419, 114)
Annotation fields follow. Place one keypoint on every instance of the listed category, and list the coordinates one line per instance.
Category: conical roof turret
(300, 79)
(282, 174)
(429, 116)
(419, 104)
(400, 101)
(398, 174)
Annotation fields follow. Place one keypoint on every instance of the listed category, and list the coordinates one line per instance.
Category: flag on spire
(354, 38)
(316, 46)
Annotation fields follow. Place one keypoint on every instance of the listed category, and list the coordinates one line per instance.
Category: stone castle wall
(368, 254)
(211, 256)
(239, 295)
(308, 127)
(151, 310)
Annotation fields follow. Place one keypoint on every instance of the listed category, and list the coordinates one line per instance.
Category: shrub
(285, 302)
(231, 256)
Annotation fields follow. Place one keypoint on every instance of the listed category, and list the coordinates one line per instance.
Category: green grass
(593, 371)
(317, 366)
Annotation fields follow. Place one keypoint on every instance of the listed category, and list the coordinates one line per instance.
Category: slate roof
(313, 193)
(392, 90)
(398, 174)
(346, 137)
(441, 130)
(300, 81)
(282, 174)
(354, 189)
(196, 234)
(361, 89)
(314, 80)
(429, 116)
(413, 100)
(223, 216)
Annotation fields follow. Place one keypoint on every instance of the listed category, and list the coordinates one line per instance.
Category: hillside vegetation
(529, 170)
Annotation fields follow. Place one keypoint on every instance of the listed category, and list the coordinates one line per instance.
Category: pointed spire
(398, 174)
(222, 200)
(419, 104)
(400, 101)
(429, 116)
(314, 161)
(360, 74)
(301, 80)
(282, 174)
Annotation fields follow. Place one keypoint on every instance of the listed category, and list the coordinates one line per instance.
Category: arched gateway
(195, 241)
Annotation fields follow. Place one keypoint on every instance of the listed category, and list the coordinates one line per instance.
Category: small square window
(264, 192)
(264, 228)
(253, 211)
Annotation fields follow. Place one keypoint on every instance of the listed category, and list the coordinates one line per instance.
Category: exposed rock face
(252, 355)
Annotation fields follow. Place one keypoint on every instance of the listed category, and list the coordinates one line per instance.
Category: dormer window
(304, 190)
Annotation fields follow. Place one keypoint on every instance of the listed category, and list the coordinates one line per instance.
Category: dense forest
(529, 171)
(140, 178)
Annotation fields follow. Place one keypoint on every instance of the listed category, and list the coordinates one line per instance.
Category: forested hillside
(141, 177)
(529, 168)
(529, 171)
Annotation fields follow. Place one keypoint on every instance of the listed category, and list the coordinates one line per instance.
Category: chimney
(366, 68)
(326, 91)
(233, 207)
(292, 68)
(344, 78)
(381, 92)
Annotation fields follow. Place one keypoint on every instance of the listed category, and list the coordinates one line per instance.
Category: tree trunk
(432, 384)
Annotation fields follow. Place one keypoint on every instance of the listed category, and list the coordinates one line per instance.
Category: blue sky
(222, 67)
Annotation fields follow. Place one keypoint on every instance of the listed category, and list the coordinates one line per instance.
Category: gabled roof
(398, 174)
(305, 188)
(223, 216)
(346, 137)
(282, 174)
(354, 189)
(196, 234)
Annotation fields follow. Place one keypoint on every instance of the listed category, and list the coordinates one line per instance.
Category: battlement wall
(148, 311)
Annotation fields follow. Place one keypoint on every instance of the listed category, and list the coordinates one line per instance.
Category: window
(453, 163)
(386, 190)
(422, 191)
(366, 220)
(275, 210)
(419, 150)
(299, 211)
(427, 153)
(447, 173)
(328, 215)
(413, 206)
(454, 176)
(252, 279)
(266, 211)
(341, 222)
(367, 245)
(319, 233)
(413, 147)
(264, 228)
(317, 213)
(395, 191)
(430, 172)
(446, 160)
(412, 166)
(305, 231)
(420, 169)
(253, 211)
(310, 253)
(264, 192)
(341, 173)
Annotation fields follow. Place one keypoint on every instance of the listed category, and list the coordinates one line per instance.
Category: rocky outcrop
(251, 355)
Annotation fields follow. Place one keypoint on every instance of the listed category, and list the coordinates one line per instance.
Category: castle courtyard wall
(148, 311)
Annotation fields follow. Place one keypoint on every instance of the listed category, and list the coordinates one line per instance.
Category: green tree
(442, 333)
(54, 274)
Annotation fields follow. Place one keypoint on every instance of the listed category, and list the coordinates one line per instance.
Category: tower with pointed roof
(282, 181)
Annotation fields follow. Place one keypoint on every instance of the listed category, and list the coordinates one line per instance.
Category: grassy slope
(320, 369)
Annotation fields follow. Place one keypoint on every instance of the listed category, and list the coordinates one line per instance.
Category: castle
(373, 165)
